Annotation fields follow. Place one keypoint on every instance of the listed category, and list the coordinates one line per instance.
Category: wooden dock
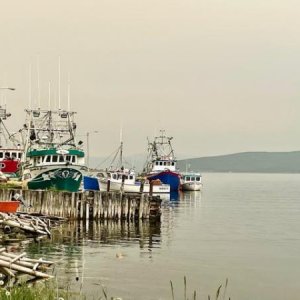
(88, 205)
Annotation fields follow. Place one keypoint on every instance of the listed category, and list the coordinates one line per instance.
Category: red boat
(9, 206)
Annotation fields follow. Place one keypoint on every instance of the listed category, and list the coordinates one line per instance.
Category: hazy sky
(221, 76)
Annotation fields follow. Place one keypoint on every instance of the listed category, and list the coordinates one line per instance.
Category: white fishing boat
(191, 181)
(118, 178)
(125, 180)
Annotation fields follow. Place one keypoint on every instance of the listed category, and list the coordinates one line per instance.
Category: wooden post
(141, 206)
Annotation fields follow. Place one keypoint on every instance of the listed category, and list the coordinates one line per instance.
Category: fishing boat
(53, 159)
(125, 180)
(10, 149)
(118, 178)
(161, 162)
(191, 181)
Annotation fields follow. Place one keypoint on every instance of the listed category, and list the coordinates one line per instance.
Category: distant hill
(256, 162)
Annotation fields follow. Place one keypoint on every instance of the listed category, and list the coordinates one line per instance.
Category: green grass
(41, 291)
(218, 295)
(47, 290)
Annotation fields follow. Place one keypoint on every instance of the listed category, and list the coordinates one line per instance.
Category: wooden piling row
(88, 205)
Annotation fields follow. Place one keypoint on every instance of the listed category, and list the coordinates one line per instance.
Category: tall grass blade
(172, 290)
(218, 292)
(225, 289)
(104, 293)
(184, 287)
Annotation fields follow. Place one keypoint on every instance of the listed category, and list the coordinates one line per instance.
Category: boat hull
(61, 179)
(167, 177)
(191, 186)
(132, 188)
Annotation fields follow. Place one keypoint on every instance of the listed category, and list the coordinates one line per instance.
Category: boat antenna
(69, 106)
(121, 145)
(49, 95)
(29, 100)
(38, 82)
(59, 82)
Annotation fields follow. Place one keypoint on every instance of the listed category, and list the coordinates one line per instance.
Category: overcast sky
(220, 76)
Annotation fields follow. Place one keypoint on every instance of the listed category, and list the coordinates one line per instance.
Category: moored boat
(125, 180)
(53, 159)
(191, 181)
(118, 178)
(161, 162)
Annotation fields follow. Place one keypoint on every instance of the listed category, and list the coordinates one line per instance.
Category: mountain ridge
(252, 162)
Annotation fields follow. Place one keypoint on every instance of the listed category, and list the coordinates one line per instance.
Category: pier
(88, 205)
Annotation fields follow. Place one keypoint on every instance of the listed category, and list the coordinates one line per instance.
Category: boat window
(68, 158)
(188, 178)
(130, 177)
(192, 178)
(7, 155)
(41, 159)
(160, 163)
(73, 158)
(165, 163)
(61, 158)
(1, 154)
(14, 155)
(168, 163)
(54, 158)
(114, 176)
(197, 178)
(156, 163)
(48, 158)
(19, 155)
(173, 164)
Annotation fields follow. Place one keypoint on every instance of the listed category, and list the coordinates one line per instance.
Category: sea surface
(244, 227)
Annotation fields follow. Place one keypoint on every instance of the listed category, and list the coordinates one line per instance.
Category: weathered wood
(16, 267)
(93, 205)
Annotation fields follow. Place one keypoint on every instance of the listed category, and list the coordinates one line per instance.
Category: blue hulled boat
(161, 163)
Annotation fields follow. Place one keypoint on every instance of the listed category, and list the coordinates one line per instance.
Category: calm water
(245, 227)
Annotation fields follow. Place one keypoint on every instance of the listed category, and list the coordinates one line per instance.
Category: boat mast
(121, 147)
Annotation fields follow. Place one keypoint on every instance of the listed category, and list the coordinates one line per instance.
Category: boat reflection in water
(85, 251)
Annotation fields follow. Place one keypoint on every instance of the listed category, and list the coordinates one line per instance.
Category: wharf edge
(88, 205)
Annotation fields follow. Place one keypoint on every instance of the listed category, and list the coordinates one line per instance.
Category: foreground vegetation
(46, 290)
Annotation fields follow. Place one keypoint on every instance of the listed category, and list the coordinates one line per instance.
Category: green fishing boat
(53, 159)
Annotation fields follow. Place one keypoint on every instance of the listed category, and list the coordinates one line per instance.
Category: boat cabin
(10, 154)
(187, 178)
(53, 157)
(191, 177)
(161, 165)
(129, 178)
